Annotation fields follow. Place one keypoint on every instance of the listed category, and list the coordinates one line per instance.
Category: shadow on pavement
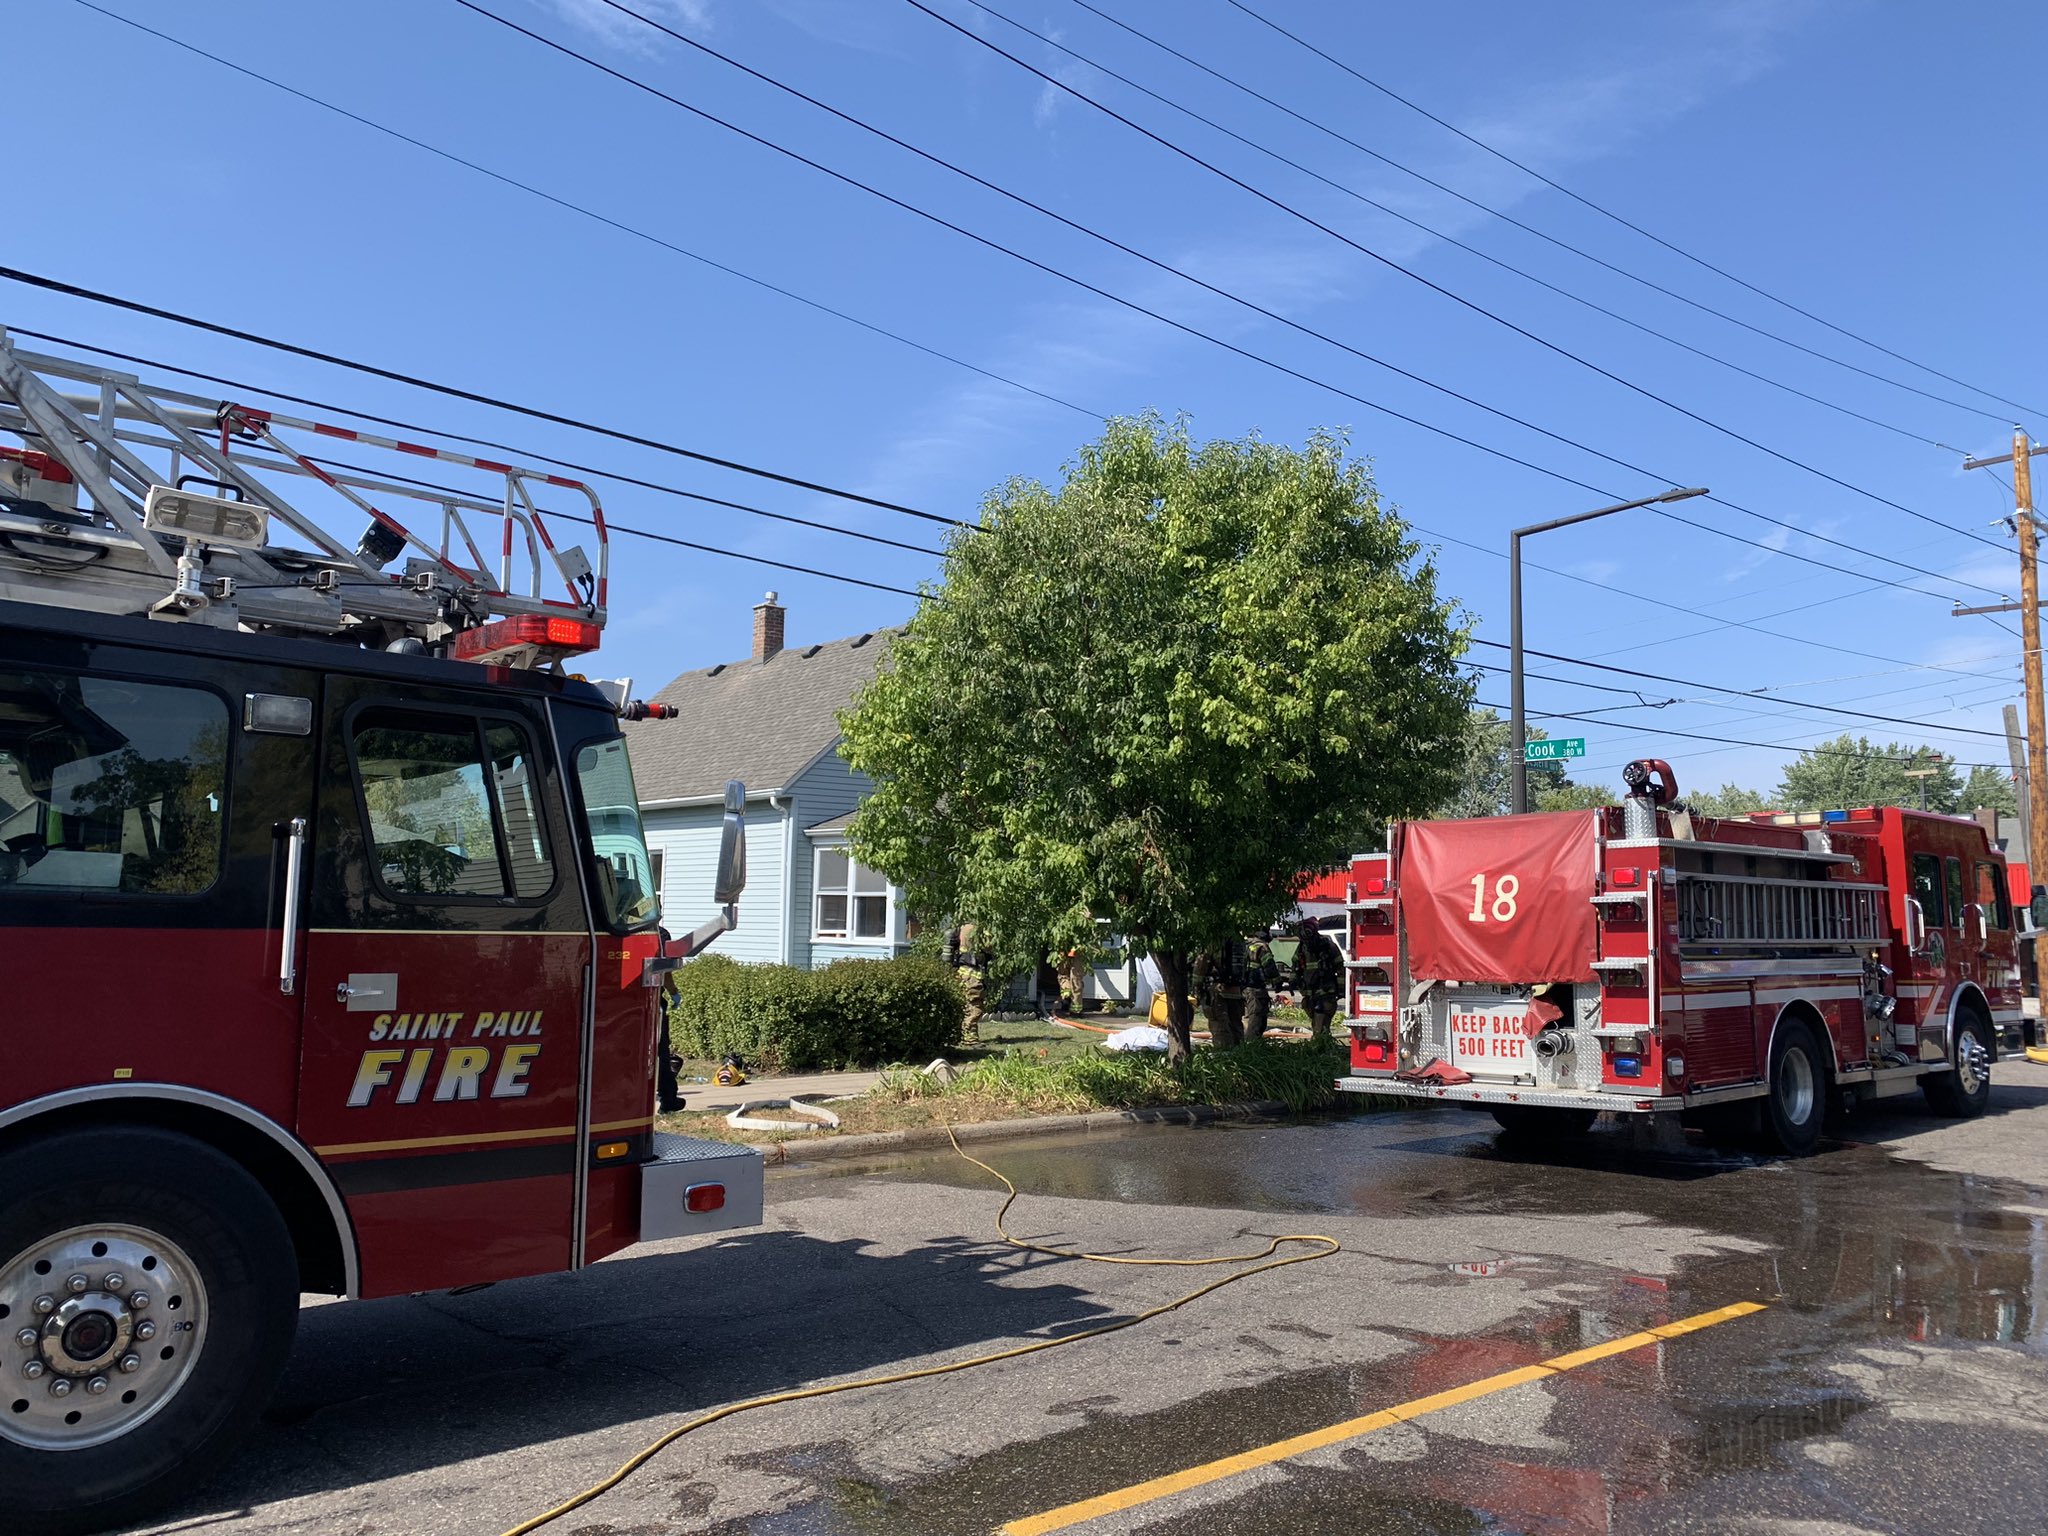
(380, 1389)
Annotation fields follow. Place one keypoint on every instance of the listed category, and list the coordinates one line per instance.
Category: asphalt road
(1896, 1380)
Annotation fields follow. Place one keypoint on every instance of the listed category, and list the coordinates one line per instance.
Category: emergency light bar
(503, 640)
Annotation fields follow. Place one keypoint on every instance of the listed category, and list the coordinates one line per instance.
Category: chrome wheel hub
(1973, 1062)
(1795, 1086)
(105, 1324)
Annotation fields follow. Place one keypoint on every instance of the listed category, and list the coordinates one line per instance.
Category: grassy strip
(1028, 1080)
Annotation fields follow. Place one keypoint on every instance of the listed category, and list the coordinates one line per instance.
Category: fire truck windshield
(625, 879)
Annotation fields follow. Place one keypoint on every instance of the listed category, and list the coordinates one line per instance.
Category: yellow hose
(1327, 1247)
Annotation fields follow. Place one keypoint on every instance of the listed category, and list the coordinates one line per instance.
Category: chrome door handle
(294, 860)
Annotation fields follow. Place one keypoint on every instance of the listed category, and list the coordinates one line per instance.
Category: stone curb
(919, 1137)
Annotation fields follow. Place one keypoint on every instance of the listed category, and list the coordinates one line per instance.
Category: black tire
(1964, 1091)
(1799, 1083)
(146, 1190)
(1533, 1122)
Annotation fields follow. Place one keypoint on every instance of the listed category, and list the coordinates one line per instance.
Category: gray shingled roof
(759, 722)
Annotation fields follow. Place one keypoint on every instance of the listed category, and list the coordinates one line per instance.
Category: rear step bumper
(1501, 1093)
(682, 1164)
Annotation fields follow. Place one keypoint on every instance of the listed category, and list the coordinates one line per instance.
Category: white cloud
(1068, 71)
(618, 30)
(1771, 544)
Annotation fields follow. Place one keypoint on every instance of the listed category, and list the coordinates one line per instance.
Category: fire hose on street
(1262, 1261)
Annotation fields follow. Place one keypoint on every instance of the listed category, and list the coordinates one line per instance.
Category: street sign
(1553, 750)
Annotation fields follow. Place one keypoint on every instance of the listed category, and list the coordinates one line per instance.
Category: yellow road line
(1281, 1450)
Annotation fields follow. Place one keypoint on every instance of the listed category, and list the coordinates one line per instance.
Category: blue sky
(1869, 162)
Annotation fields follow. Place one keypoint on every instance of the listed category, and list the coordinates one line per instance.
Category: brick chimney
(768, 616)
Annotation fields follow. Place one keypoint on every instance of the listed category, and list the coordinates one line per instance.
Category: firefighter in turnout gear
(1262, 975)
(1073, 969)
(1220, 980)
(964, 955)
(1318, 977)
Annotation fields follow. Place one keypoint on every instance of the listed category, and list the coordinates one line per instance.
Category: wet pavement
(1896, 1382)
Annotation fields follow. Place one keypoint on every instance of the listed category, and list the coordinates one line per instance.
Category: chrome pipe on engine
(1553, 1043)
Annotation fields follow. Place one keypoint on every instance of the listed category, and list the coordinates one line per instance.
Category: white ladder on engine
(240, 552)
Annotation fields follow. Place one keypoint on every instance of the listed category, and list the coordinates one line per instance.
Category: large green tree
(1990, 789)
(1851, 771)
(1155, 693)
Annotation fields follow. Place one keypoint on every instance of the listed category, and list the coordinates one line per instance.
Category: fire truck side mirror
(732, 846)
(1916, 927)
(2037, 909)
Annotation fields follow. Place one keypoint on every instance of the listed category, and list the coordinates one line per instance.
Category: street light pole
(1518, 768)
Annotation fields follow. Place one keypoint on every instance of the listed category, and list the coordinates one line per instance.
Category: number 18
(1504, 891)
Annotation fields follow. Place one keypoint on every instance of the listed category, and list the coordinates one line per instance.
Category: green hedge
(854, 1013)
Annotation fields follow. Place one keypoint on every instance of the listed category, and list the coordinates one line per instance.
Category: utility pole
(1924, 774)
(2030, 648)
(2016, 754)
(2030, 658)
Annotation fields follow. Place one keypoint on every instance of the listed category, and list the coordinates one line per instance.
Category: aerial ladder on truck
(289, 746)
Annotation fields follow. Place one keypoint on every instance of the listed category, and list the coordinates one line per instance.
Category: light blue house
(772, 722)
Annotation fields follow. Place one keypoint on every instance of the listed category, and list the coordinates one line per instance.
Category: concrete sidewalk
(822, 1084)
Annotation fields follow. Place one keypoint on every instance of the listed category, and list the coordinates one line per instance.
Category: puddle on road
(1859, 1250)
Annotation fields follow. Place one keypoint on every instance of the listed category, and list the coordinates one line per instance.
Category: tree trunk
(1180, 1012)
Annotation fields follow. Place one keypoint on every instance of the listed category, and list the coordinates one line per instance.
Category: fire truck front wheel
(1964, 1092)
(1797, 1103)
(148, 1297)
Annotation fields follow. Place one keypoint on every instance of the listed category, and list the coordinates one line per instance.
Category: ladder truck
(1751, 975)
(329, 939)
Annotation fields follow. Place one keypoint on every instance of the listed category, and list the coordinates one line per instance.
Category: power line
(1449, 239)
(733, 554)
(1435, 287)
(1617, 218)
(496, 445)
(1734, 741)
(72, 290)
(1925, 735)
(1861, 653)
(1529, 229)
(1740, 693)
(587, 212)
(1713, 752)
(1152, 261)
(1928, 732)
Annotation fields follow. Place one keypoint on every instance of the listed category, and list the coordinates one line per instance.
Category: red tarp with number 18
(1501, 898)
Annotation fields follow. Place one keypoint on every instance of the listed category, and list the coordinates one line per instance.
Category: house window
(852, 900)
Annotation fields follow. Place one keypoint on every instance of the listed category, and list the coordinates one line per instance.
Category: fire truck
(329, 940)
(1752, 976)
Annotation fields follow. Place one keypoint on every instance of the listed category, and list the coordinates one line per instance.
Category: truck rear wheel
(1964, 1091)
(148, 1297)
(1533, 1122)
(1797, 1103)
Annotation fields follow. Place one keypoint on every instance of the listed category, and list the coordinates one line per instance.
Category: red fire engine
(331, 947)
(1748, 974)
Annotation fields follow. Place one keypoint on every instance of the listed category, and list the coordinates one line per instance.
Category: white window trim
(887, 938)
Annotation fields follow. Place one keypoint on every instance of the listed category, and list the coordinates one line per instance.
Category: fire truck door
(446, 951)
